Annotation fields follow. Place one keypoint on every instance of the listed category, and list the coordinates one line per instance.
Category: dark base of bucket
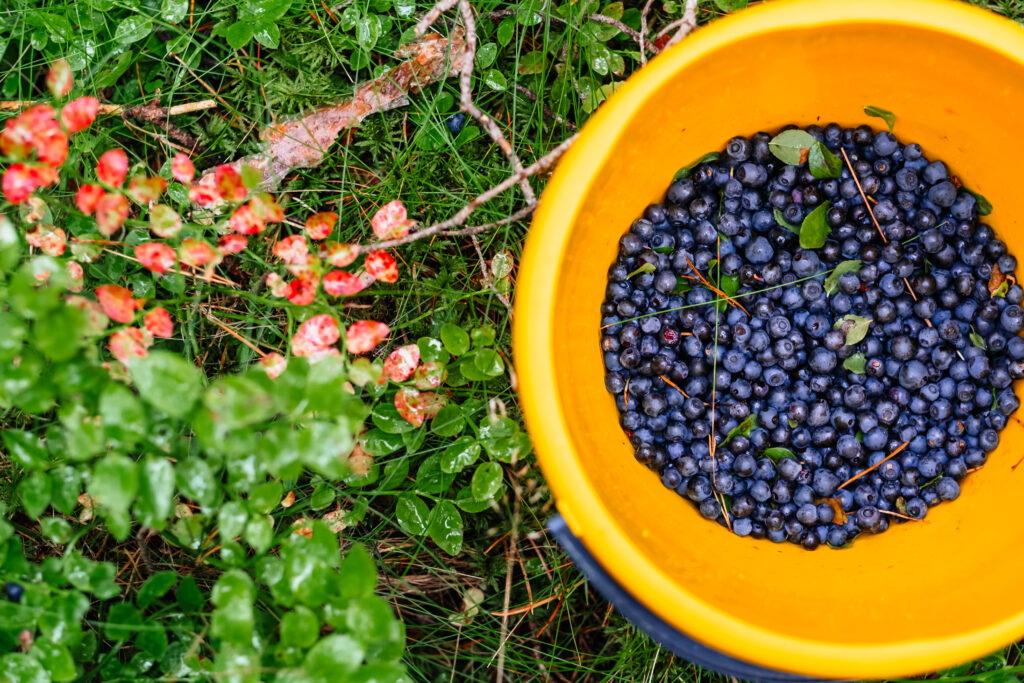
(652, 625)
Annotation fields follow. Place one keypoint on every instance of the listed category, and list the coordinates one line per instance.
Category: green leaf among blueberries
(822, 163)
(778, 453)
(814, 229)
(792, 146)
(855, 363)
(780, 218)
(984, 205)
(977, 339)
(685, 171)
(855, 327)
(884, 114)
(832, 281)
(742, 429)
(645, 268)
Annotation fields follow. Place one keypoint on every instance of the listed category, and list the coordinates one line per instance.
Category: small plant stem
(863, 196)
(861, 474)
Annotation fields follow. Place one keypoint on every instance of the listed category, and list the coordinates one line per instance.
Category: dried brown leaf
(995, 281)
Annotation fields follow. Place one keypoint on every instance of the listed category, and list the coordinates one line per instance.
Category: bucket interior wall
(954, 572)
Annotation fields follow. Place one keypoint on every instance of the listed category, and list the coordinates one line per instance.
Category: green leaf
(412, 514)
(156, 492)
(259, 533)
(378, 442)
(977, 339)
(445, 527)
(685, 171)
(35, 493)
(984, 205)
(167, 381)
(123, 415)
(884, 114)
(460, 455)
(645, 268)
(133, 29)
(855, 363)
(485, 55)
(300, 628)
(239, 34)
(231, 519)
(333, 658)
(487, 480)
(823, 163)
(236, 401)
(358, 574)
(388, 419)
(482, 336)
(779, 453)
(742, 429)
(233, 620)
(155, 587)
(506, 29)
(432, 350)
(56, 658)
(368, 30)
(152, 640)
(489, 363)
(455, 339)
(173, 11)
(532, 62)
(56, 529)
(267, 34)
(832, 281)
(730, 5)
(814, 229)
(17, 667)
(448, 421)
(122, 621)
(26, 449)
(190, 598)
(792, 146)
(113, 485)
(495, 80)
(406, 8)
(855, 327)
(780, 218)
(265, 497)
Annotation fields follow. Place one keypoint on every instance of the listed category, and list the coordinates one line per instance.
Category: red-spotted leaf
(182, 168)
(391, 221)
(320, 225)
(76, 276)
(19, 183)
(59, 79)
(276, 284)
(87, 197)
(342, 283)
(204, 195)
(430, 375)
(117, 303)
(410, 405)
(363, 335)
(402, 362)
(164, 221)
(112, 167)
(244, 221)
(301, 291)
(146, 189)
(274, 364)
(79, 113)
(381, 265)
(340, 255)
(96, 319)
(156, 256)
(198, 253)
(315, 334)
(52, 146)
(158, 322)
(111, 213)
(129, 343)
(266, 208)
(229, 183)
(293, 250)
(232, 244)
(48, 239)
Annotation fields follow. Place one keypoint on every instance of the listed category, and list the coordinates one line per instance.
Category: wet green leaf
(412, 514)
(977, 339)
(742, 429)
(167, 381)
(300, 628)
(445, 527)
(487, 480)
(448, 421)
(333, 658)
(358, 574)
(455, 339)
(133, 29)
(462, 453)
(156, 492)
(984, 206)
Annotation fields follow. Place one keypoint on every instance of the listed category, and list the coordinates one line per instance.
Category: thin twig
(861, 474)
(643, 31)
(213, 277)
(685, 25)
(224, 326)
(119, 109)
(863, 196)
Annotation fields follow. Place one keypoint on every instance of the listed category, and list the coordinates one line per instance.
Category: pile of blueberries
(757, 409)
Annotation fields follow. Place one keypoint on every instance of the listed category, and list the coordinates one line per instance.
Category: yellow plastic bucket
(917, 598)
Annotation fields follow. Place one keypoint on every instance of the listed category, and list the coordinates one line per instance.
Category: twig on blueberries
(523, 90)
(863, 196)
(716, 290)
(873, 467)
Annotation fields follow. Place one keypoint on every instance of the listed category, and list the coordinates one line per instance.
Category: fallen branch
(119, 109)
